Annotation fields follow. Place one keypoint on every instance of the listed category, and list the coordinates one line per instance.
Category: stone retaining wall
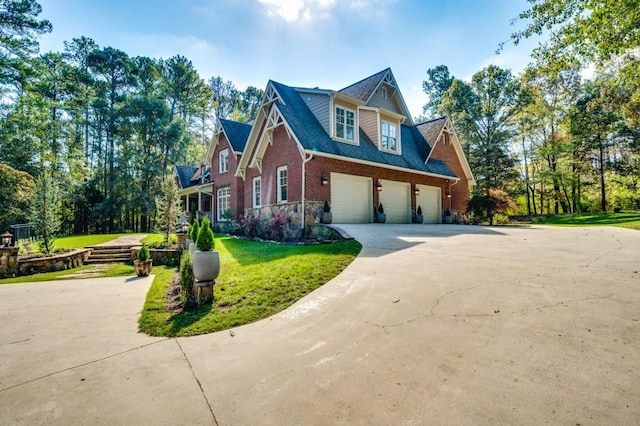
(57, 262)
(169, 257)
(8, 261)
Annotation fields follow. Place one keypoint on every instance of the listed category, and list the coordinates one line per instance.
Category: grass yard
(625, 220)
(82, 241)
(257, 280)
(155, 239)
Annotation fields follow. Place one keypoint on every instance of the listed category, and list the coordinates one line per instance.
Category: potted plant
(418, 218)
(143, 263)
(327, 217)
(193, 235)
(206, 260)
(381, 217)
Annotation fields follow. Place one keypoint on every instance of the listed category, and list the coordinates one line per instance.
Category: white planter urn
(206, 264)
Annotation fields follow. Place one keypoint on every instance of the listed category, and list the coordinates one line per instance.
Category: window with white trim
(283, 184)
(389, 136)
(345, 124)
(224, 201)
(224, 161)
(257, 192)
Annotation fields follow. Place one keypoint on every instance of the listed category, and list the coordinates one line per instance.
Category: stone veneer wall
(58, 262)
(8, 261)
(159, 256)
(291, 212)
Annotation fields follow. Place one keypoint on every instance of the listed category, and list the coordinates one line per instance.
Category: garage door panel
(351, 198)
(396, 200)
(429, 199)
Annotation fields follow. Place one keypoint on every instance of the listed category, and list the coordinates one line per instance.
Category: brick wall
(445, 151)
(283, 152)
(227, 179)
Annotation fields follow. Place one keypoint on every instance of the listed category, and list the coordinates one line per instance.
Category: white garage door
(351, 198)
(395, 198)
(429, 199)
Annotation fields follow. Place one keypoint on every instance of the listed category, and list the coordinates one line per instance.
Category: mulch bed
(173, 303)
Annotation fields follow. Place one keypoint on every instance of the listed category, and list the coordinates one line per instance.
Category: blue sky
(309, 43)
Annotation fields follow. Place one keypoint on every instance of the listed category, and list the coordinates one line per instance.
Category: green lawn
(155, 239)
(81, 241)
(256, 281)
(625, 219)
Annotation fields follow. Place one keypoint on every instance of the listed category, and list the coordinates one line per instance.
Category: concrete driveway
(437, 324)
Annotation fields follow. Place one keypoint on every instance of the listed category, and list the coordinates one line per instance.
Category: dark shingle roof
(313, 137)
(238, 133)
(363, 89)
(431, 129)
(184, 176)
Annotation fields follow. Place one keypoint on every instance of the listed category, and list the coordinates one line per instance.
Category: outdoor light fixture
(184, 226)
(379, 186)
(416, 190)
(448, 194)
(324, 180)
(6, 238)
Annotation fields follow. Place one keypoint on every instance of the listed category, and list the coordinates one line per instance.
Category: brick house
(356, 148)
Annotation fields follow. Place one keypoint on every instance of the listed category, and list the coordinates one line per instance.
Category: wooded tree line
(555, 142)
(106, 126)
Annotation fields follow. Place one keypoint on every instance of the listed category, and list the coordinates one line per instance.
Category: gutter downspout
(455, 182)
(305, 160)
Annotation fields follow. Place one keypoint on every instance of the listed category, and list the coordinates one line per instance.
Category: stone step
(114, 252)
(110, 256)
(110, 250)
(101, 248)
(105, 260)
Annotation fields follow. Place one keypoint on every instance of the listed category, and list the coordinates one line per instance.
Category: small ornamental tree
(193, 230)
(380, 209)
(186, 279)
(419, 212)
(326, 207)
(168, 208)
(44, 212)
(143, 254)
(205, 236)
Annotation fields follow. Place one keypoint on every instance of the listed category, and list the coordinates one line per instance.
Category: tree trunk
(603, 195)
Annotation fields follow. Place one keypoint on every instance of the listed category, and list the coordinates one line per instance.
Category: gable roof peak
(363, 89)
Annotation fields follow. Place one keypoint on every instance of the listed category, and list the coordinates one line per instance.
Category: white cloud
(289, 10)
(293, 10)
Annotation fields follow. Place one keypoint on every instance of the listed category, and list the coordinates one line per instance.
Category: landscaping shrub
(193, 231)
(205, 236)
(143, 254)
(186, 278)
(279, 228)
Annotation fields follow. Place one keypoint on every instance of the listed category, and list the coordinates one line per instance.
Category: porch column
(186, 202)
(199, 201)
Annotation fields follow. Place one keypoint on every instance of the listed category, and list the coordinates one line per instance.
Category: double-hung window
(345, 124)
(257, 190)
(283, 184)
(224, 202)
(389, 136)
(224, 161)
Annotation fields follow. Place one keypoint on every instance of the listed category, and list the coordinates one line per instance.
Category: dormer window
(345, 124)
(389, 137)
